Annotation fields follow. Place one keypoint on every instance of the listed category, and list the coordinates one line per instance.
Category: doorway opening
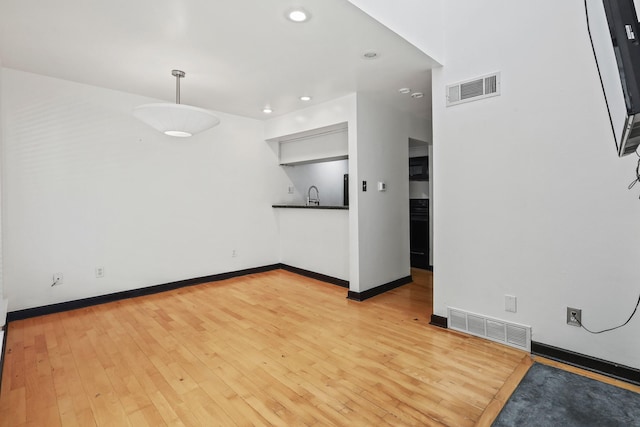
(420, 223)
(420, 190)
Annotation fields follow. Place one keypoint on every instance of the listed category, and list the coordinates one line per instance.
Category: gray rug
(549, 397)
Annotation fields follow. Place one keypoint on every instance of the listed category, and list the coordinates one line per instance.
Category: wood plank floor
(273, 348)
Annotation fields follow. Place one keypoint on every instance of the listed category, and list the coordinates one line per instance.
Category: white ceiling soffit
(239, 56)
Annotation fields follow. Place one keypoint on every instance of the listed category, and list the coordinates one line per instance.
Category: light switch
(510, 303)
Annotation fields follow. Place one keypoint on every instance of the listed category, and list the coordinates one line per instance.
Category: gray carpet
(549, 397)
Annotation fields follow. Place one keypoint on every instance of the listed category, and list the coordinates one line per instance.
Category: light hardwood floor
(273, 348)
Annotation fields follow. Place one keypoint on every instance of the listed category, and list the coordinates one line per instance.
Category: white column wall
(383, 217)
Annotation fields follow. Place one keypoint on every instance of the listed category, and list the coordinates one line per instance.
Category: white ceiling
(238, 55)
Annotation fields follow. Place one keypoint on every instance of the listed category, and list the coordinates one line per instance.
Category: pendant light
(176, 119)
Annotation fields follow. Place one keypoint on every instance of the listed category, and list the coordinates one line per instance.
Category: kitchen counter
(314, 238)
(311, 207)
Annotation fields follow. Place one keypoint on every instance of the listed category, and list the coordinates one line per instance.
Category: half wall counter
(315, 238)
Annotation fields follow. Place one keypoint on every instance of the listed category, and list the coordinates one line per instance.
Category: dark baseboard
(369, 293)
(101, 299)
(317, 276)
(610, 369)
(4, 348)
(439, 321)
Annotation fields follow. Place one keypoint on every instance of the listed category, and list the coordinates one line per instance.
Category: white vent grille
(496, 331)
(473, 90)
(476, 325)
(457, 320)
(511, 334)
(517, 335)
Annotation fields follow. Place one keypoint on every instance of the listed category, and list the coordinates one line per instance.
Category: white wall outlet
(58, 279)
(234, 253)
(510, 303)
(290, 189)
(382, 186)
(99, 272)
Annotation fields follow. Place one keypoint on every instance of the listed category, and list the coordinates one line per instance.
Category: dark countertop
(311, 207)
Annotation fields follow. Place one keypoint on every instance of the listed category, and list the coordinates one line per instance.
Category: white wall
(418, 21)
(530, 198)
(431, 203)
(1, 192)
(86, 185)
(316, 240)
(383, 217)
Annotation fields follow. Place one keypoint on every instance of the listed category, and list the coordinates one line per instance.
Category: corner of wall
(420, 23)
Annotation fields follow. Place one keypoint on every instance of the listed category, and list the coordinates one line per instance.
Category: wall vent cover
(473, 90)
(511, 334)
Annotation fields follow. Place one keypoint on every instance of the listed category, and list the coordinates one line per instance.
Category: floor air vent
(473, 90)
(512, 334)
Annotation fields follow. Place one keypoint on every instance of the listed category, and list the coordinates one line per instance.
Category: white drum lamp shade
(176, 119)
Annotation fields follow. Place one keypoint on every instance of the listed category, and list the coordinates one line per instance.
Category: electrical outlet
(99, 272)
(58, 279)
(510, 303)
(290, 190)
(574, 316)
(234, 253)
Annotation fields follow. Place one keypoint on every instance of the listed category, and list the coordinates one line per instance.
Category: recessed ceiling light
(370, 55)
(305, 98)
(267, 110)
(298, 15)
(417, 95)
(404, 90)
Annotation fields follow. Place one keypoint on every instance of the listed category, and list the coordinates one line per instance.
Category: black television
(615, 37)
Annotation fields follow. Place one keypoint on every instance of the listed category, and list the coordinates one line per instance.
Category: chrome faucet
(315, 201)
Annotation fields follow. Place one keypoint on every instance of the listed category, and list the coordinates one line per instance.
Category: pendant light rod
(178, 75)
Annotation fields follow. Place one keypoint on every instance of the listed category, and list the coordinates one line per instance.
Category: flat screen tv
(615, 37)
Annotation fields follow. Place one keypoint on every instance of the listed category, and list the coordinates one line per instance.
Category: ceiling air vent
(473, 90)
(511, 334)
